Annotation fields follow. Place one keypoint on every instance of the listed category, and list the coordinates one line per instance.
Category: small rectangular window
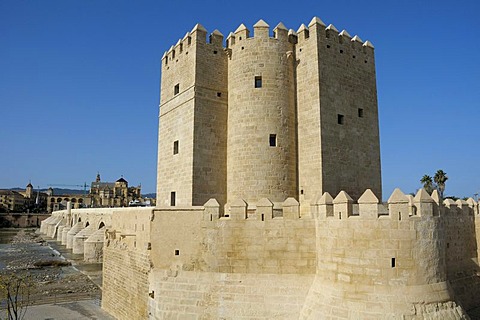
(175, 147)
(176, 90)
(172, 198)
(273, 140)
(340, 119)
(360, 112)
(177, 252)
(258, 82)
(393, 263)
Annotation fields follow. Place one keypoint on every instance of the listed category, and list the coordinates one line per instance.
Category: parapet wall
(263, 240)
(396, 258)
(415, 258)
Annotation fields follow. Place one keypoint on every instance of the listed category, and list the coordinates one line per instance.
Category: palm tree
(440, 178)
(427, 183)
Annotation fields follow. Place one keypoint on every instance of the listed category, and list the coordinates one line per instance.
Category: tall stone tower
(261, 152)
(293, 114)
(193, 121)
(338, 134)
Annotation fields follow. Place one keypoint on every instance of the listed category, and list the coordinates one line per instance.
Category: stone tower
(261, 152)
(289, 115)
(29, 190)
(193, 121)
(338, 134)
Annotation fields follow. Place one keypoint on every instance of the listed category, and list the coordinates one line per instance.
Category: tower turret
(261, 156)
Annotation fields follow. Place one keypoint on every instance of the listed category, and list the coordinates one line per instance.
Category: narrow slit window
(258, 82)
(177, 252)
(393, 262)
(360, 112)
(176, 89)
(273, 140)
(340, 119)
(172, 198)
(175, 147)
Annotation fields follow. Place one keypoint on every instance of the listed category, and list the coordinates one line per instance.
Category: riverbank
(54, 274)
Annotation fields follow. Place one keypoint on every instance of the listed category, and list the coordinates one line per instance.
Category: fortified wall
(347, 260)
(414, 258)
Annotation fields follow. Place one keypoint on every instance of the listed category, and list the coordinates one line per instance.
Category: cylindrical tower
(261, 149)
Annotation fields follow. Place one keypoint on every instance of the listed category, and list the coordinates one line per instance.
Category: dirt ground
(52, 276)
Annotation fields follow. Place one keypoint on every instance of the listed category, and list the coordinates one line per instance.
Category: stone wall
(197, 239)
(126, 264)
(125, 281)
(381, 266)
(211, 295)
(463, 270)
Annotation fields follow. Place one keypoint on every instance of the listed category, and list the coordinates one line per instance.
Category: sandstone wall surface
(207, 295)
(125, 281)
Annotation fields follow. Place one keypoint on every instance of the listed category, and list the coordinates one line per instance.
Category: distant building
(23, 201)
(113, 194)
(11, 201)
(59, 202)
(101, 194)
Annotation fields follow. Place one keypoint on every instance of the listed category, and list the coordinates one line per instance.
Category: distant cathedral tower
(288, 114)
(29, 190)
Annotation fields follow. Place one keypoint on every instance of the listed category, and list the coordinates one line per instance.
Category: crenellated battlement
(399, 207)
(197, 36)
(263, 210)
(261, 30)
(330, 34)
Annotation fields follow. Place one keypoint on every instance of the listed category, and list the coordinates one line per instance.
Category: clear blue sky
(79, 83)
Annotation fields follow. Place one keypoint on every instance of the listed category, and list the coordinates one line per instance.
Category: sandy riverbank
(54, 277)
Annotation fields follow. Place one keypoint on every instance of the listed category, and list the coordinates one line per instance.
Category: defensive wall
(407, 259)
(349, 260)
